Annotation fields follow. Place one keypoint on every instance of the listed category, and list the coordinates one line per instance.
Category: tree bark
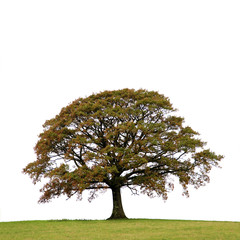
(117, 212)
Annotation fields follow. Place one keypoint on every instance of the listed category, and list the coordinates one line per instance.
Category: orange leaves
(119, 138)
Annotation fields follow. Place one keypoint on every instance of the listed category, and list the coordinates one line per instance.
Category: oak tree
(116, 139)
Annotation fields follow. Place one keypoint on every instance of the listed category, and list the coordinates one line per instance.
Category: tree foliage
(116, 139)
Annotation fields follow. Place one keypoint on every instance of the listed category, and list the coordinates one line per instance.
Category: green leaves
(119, 138)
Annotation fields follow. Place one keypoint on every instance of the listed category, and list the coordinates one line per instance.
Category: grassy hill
(134, 229)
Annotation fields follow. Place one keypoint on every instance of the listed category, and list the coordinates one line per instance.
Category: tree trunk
(117, 212)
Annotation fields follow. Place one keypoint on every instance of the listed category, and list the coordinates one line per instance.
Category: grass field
(139, 229)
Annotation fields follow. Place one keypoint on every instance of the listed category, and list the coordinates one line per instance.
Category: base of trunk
(117, 212)
(116, 218)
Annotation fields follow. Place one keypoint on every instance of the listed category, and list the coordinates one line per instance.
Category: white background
(54, 51)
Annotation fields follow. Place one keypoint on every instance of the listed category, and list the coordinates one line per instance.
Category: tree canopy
(114, 139)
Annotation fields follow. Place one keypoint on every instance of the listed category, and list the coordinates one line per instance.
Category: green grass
(139, 229)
